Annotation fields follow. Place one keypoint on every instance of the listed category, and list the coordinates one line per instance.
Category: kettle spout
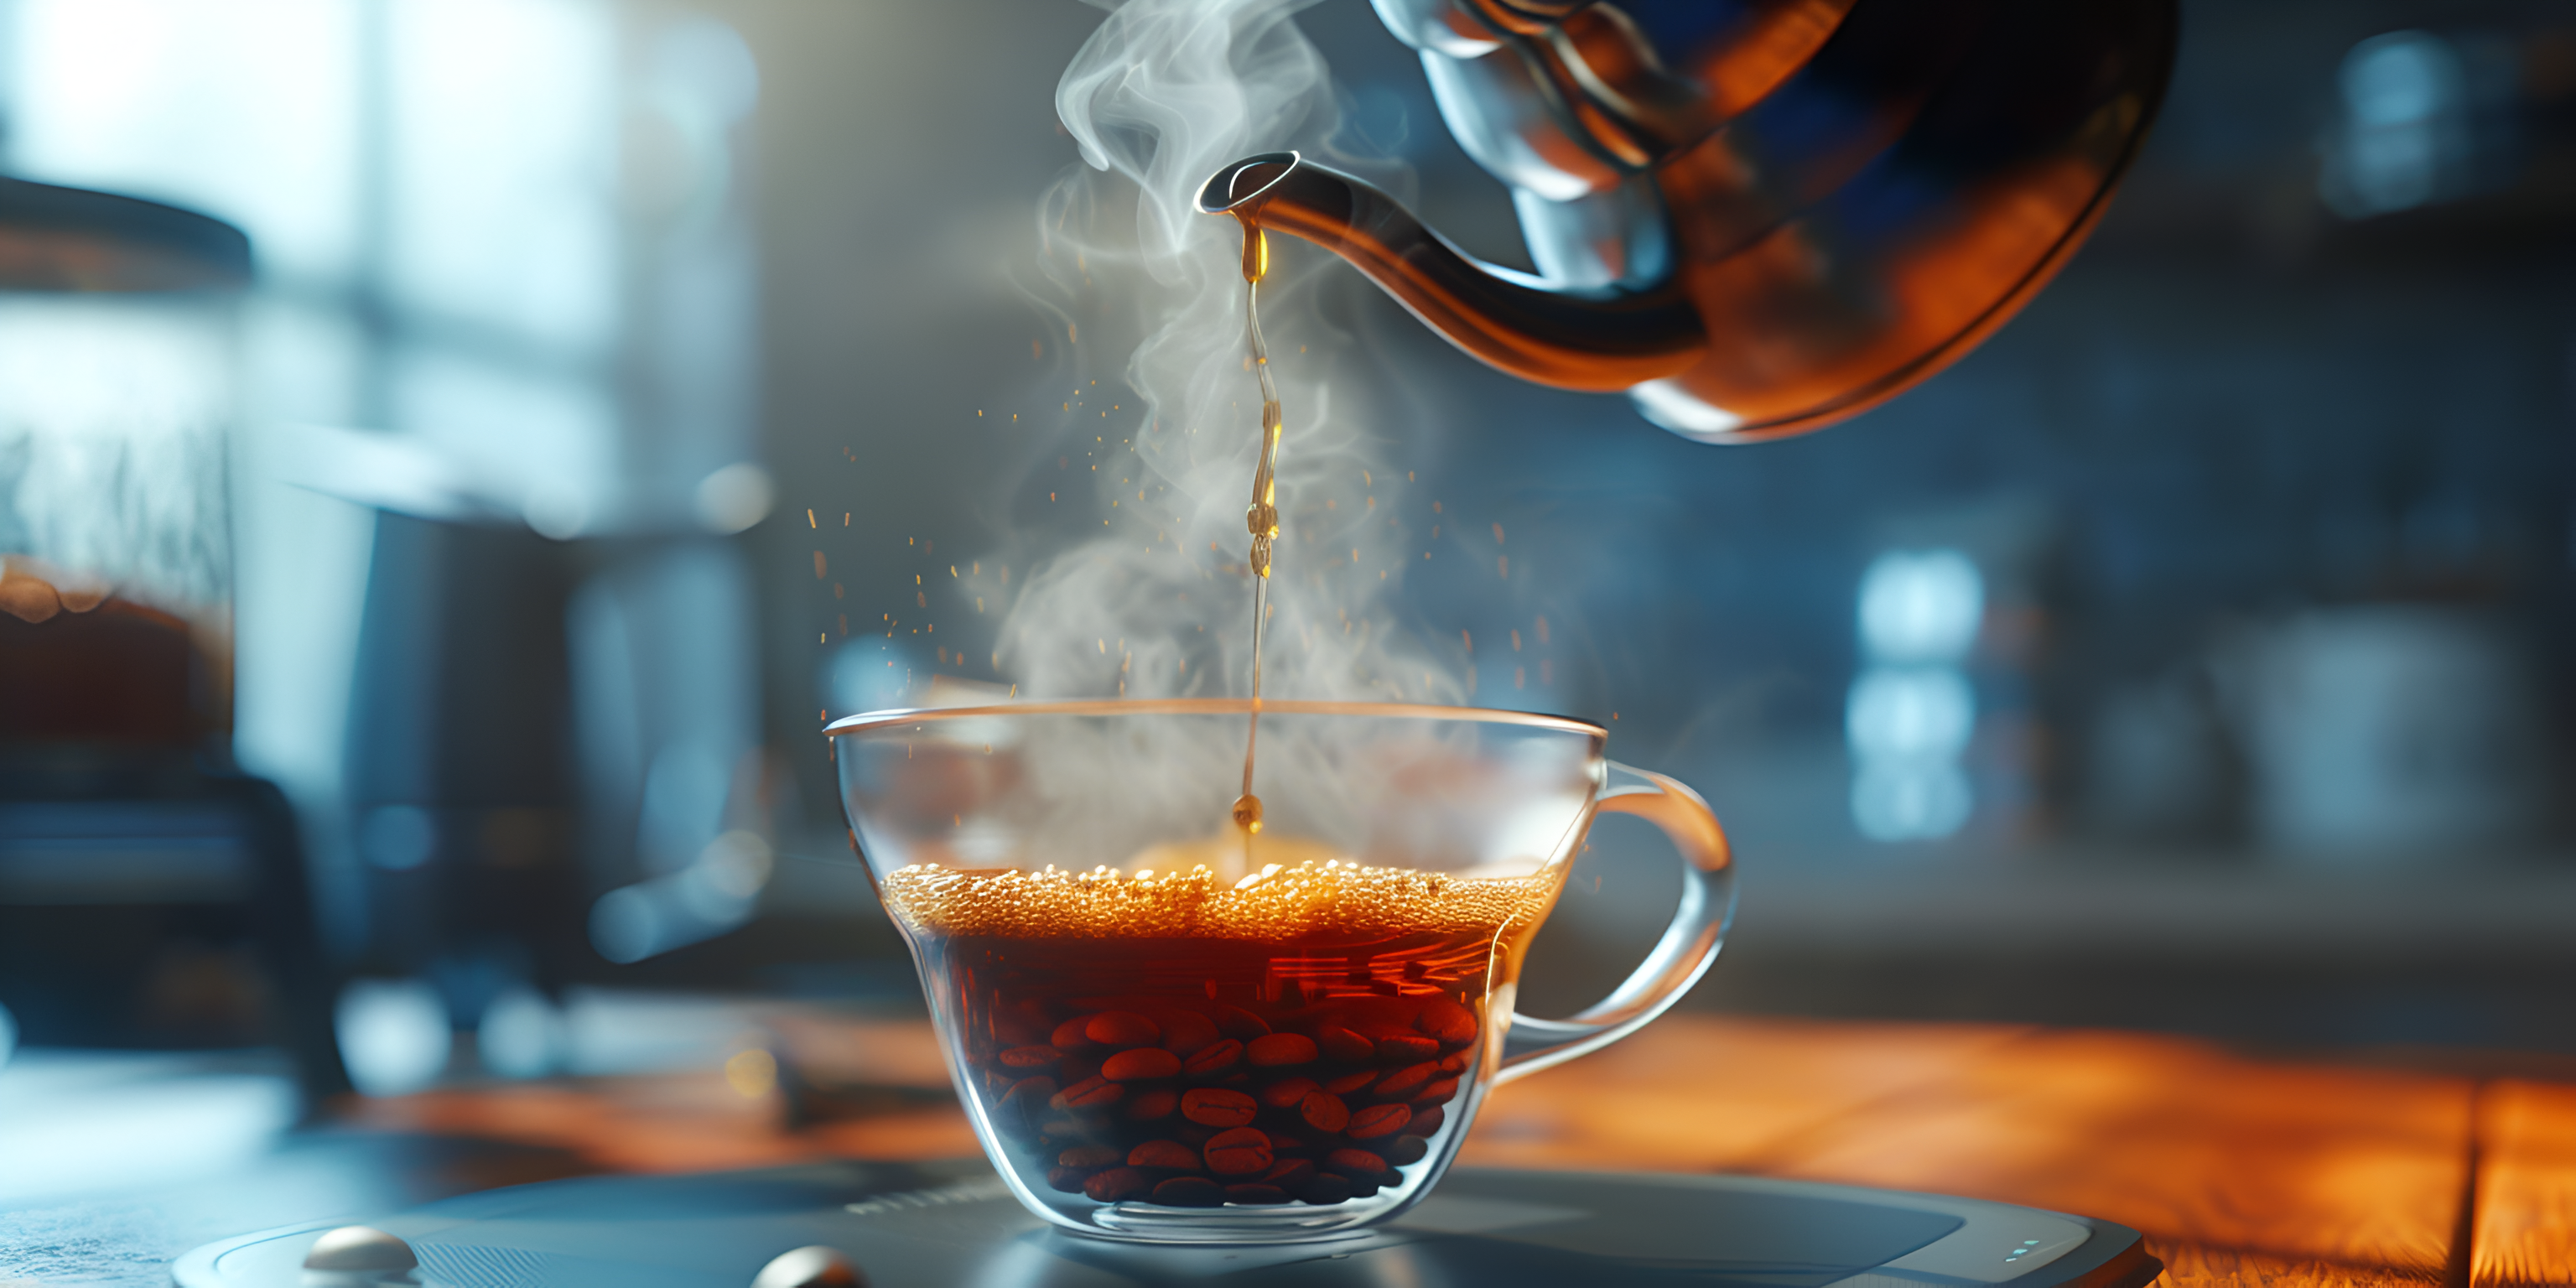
(1598, 341)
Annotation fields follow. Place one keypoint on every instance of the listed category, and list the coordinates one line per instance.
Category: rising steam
(1156, 600)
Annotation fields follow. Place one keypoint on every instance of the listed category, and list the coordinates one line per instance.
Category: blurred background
(432, 545)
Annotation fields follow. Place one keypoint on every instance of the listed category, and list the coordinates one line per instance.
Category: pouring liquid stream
(1261, 518)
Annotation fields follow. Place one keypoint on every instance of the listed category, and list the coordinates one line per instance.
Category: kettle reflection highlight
(1754, 217)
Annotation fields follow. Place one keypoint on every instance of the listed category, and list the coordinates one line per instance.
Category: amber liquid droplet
(1261, 518)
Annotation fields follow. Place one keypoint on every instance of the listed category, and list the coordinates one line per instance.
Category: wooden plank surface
(2193, 1265)
(2526, 1209)
(2241, 1171)
(711, 1119)
(2354, 1166)
(1705, 1093)
(2277, 1166)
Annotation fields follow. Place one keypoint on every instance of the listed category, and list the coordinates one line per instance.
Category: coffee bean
(1212, 1059)
(1279, 1050)
(1017, 1111)
(1324, 1111)
(1069, 1035)
(1323, 1189)
(1090, 1093)
(1363, 1189)
(1341, 1044)
(1256, 1195)
(1407, 1150)
(1188, 1032)
(1122, 1030)
(1286, 1140)
(1118, 1185)
(1350, 1083)
(1447, 1022)
(1190, 1191)
(1244, 1151)
(1427, 1121)
(1285, 1093)
(1139, 1064)
(1438, 1093)
(1406, 1048)
(1379, 1120)
(1358, 1164)
(1236, 1022)
(1288, 1173)
(1151, 1106)
(1406, 1081)
(1166, 1155)
(1030, 1058)
(1217, 1107)
(1069, 1180)
(1457, 1062)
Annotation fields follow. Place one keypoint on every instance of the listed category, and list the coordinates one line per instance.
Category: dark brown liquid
(1298, 1037)
(91, 668)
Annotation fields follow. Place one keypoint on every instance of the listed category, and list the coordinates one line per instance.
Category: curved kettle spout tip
(1599, 342)
(1246, 181)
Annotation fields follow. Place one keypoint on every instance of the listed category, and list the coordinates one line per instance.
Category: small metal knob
(358, 1256)
(813, 1266)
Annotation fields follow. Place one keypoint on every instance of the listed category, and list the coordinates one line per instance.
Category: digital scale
(939, 1224)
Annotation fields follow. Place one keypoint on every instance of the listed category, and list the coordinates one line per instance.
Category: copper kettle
(1755, 217)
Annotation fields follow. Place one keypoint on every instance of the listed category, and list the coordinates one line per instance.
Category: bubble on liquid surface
(1189, 900)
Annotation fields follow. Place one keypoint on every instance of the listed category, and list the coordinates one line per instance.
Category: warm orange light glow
(2526, 1217)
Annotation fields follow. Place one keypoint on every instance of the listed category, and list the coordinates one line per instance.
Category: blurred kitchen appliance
(460, 777)
(1756, 217)
(149, 895)
(549, 736)
(116, 398)
(2391, 731)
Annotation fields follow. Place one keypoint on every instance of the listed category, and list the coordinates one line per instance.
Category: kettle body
(1755, 217)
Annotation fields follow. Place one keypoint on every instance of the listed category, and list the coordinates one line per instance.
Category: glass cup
(1167, 1029)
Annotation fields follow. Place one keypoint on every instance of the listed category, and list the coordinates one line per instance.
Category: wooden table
(2239, 1170)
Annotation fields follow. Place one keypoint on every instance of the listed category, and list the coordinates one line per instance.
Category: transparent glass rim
(872, 721)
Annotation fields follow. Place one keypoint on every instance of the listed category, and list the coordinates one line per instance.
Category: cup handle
(1678, 959)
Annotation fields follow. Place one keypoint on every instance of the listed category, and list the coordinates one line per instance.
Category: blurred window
(2403, 118)
(1911, 710)
(506, 235)
(429, 188)
(2421, 118)
(429, 185)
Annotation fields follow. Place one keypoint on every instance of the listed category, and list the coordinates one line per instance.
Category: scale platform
(942, 1224)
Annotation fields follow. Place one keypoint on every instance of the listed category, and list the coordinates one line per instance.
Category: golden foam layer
(1276, 905)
